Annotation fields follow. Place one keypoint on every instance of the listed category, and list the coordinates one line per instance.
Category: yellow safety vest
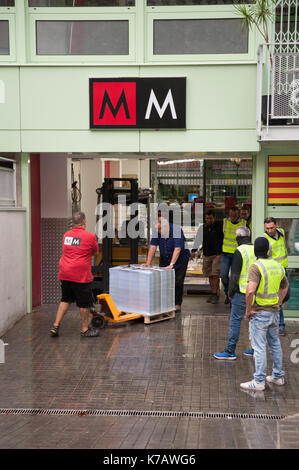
(229, 235)
(272, 274)
(277, 248)
(248, 258)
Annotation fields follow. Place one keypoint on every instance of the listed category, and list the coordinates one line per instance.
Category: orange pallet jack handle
(118, 316)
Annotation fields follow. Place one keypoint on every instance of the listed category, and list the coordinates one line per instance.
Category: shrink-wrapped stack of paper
(167, 289)
(142, 289)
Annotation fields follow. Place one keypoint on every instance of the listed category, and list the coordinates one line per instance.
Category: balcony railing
(277, 86)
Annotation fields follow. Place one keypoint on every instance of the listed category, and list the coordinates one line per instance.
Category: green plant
(257, 15)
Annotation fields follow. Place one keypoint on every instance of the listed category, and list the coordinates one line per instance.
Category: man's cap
(261, 247)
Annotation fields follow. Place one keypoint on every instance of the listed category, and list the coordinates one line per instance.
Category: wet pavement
(140, 386)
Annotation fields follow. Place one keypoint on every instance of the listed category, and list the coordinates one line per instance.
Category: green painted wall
(47, 97)
(47, 110)
(10, 110)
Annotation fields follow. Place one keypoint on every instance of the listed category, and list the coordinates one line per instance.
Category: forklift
(117, 249)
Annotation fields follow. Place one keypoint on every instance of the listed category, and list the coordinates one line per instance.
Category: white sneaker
(258, 395)
(279, 381)
(252, 385)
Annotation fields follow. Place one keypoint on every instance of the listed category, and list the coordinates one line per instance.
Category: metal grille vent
(285, 86)
(141, 413)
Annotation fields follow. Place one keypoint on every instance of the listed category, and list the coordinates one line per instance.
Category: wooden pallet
(148, 319)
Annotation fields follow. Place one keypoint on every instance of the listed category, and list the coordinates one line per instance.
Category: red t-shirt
(78, 246)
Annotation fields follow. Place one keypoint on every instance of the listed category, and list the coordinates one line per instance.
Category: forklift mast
(125, 252)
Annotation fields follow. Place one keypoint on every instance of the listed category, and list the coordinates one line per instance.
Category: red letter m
(122, 101)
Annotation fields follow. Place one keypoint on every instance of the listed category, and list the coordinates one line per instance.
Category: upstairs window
(91, 37)
(81, 3)
(200, 36)
(163, 3)
(4, 37)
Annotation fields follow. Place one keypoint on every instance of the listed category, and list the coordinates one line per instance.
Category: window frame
(10, 17)
(89, 15)
(196, 13)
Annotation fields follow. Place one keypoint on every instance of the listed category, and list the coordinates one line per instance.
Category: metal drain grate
(141, 413)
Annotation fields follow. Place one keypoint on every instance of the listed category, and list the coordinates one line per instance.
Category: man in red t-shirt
(75, 274)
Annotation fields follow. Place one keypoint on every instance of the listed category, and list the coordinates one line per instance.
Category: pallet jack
(106, 311)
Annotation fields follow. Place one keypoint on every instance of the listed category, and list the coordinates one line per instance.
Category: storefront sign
(138, 103)
(283, 180)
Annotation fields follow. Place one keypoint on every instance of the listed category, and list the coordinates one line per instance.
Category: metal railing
(277, 85)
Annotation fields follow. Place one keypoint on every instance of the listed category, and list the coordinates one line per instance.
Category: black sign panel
(138, 103)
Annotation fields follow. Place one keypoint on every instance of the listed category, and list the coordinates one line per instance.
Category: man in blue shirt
(173, 255)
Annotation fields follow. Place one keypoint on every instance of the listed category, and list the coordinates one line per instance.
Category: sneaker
(209, 299)
(249, 352)
(258, 395)
(214, 299)
(54, 331)
(225, 355)
(90, 333)
(282, 331)
(178, 309)
(252, 385)
(279, 381)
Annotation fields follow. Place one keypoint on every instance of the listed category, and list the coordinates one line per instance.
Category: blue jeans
(226, 262)
(237, 312)
(264, 330)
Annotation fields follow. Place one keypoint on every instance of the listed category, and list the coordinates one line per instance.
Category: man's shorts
(79, 292)
(211, 266)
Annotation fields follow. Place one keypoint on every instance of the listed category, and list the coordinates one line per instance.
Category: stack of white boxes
(141, 289)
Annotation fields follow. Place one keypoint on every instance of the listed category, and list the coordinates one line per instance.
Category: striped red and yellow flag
(283, 179)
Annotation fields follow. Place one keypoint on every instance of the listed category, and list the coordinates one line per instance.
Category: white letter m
(160, 110)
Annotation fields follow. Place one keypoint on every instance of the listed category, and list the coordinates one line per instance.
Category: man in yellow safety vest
(266, 289)
(278, 251)
(242, 260)
(229, 246)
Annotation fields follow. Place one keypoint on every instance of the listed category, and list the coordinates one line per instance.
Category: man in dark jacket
(212, 248)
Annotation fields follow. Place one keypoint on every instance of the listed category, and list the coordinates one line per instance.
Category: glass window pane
(200, 36)
(81, 3)
(291, 228)
(82, 37)
(7, 186)
(162, 3)
(293, 302)
(4, 38)
(7, 3)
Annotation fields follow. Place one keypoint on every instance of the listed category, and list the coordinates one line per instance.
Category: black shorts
(79, 292)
